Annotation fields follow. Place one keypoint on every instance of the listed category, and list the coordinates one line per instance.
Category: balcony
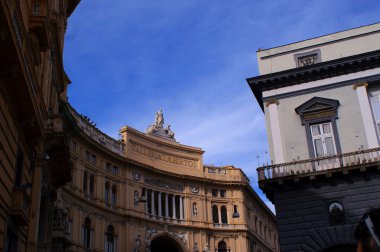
(20, 206)
(323, 165)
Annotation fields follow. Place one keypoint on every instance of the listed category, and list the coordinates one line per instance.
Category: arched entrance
(165, 243)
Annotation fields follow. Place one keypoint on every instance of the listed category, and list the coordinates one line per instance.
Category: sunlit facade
(66, 186)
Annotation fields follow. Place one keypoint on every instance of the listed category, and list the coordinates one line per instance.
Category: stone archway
(165, 243)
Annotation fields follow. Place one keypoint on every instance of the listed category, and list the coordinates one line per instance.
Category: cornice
(319, 71)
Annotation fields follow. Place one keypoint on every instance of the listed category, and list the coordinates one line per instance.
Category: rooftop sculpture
(157, 129)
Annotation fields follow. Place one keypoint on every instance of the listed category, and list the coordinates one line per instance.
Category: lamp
(235, 214)
(142, 198)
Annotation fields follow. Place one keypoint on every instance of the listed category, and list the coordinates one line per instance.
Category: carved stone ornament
(137, 245)
(195, 189)
(182, 236)
(136, 176)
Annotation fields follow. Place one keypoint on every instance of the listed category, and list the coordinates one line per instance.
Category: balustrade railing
(362, 157)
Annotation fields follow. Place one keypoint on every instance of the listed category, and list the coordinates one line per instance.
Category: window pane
(315, 130)
(326, 128)
(330, 146)
(376, 106)
(318, 147)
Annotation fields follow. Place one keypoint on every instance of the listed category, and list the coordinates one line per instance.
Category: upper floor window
(115, 169)
(113, 195)
(375, 103)
(87, 233)
(109, 166)
(319, 115)
(222, 193)
(106, 192)
(93, 159)
(92, 182)
(323, 139)
(223, 214)
(85, 175)
(214, 192)
(215, 214)
(90, 157)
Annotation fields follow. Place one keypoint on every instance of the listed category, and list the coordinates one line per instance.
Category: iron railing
(358, 158)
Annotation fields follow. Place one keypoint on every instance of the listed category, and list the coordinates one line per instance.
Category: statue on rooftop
(159, 123)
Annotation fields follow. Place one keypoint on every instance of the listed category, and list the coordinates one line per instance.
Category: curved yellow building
(147, 192)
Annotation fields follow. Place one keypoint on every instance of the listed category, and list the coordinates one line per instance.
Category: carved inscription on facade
(163, 184)
(163, 157)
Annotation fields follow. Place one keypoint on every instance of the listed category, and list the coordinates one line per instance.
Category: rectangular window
(108, 167)
(115, 169)
(88, 156)
(323, 139)
(93, 159)
(324, 145)
(214, 192)
(375, 103)
(223, 193)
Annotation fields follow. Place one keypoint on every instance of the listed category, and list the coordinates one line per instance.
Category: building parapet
(314, 166)
(89, 129)
(226, 173)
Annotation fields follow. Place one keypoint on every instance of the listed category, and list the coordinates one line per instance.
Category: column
(146, 202)
(365, 109)
(173, 202)
(166, 205)
(275, 131)
(181, 208)
(159, 205)
(35, 204)
(152, 203)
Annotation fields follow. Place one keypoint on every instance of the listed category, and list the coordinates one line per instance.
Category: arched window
(87, 233)
(110, 239)
(222, 246)
(107, 193)
(85, 175)
(92, 184)
(223, 213)
(215, 214)
(113, 195)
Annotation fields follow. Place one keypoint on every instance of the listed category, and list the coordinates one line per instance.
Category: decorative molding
(272, 101)
(195, 189)
(308, 58)
(363, 84)
(317, 108)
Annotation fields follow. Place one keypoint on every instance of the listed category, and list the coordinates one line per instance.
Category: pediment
(316, 104)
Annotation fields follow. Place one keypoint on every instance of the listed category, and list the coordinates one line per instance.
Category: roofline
(322, 70)
(325, 35)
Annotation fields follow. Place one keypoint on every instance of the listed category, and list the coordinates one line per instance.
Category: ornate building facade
(66, 186)
(321, 103)
(147, 192)
(34, 154)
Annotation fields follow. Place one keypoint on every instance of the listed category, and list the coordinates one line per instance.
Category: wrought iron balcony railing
(363, 158)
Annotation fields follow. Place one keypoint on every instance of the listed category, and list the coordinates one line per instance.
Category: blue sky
(129, 58)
